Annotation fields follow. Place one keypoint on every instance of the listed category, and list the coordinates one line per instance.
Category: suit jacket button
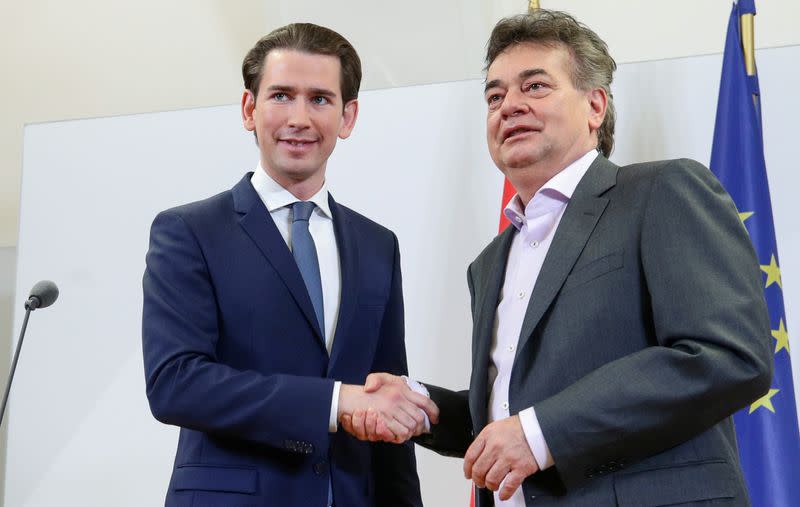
(321, 468)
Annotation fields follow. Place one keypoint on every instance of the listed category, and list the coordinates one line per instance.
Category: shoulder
(199, 217)
(363, 226)
(202, 208)
(666, 172)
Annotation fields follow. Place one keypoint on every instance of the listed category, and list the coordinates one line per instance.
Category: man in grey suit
(618, 323)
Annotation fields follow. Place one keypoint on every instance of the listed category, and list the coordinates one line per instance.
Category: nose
(513, 104)
(299, 114)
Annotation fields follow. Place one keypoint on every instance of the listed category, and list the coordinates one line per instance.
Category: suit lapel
(579, 220)
(487, 299)
(348, 260)
(258, 224)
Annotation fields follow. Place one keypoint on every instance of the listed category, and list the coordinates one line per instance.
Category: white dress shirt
(278, 202)
(536, 226)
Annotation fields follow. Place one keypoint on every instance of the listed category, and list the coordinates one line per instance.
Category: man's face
(298, 114)
(536, 117)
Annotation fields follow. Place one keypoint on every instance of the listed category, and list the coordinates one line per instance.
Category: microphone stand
(28, 309)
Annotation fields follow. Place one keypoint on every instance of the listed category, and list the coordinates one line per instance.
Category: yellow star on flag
(765, 401)
(773, 273)
(781, 337)
(744, 216)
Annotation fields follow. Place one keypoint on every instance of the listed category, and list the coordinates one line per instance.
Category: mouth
(297, 142)
(515, 132)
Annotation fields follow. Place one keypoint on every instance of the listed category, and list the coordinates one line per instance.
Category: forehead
(554, 59)
(290, 67)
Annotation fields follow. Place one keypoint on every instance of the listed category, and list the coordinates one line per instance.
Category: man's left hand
(500, 455)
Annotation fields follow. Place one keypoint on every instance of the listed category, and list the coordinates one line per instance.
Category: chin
(514, 163)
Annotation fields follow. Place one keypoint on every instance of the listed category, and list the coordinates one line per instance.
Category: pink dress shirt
(536, 226)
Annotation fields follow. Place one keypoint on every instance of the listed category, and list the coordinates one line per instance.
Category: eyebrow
(525, 74)
(313, 91)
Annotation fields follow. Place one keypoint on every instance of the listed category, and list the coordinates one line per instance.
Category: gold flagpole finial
(533, 5)
(748, 42)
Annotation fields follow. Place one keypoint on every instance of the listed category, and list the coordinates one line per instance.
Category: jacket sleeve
(187, 384)
(453, 435)
(710, 322)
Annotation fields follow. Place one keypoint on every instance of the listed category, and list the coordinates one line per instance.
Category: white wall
(417, 162)
(90, 58)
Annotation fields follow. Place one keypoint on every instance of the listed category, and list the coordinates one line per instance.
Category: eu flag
(769, 443)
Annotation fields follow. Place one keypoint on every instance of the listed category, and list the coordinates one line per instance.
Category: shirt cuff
(535, 438)
(333, 423)
(420, 389)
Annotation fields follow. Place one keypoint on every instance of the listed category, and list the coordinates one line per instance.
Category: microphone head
(46, 292)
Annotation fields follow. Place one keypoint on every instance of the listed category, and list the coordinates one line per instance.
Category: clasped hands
(388, 410)
(384, 409)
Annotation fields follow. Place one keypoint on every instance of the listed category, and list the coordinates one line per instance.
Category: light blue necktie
(305, 255)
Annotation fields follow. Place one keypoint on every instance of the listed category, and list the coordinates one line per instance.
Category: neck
(528, 180)
(301, 187)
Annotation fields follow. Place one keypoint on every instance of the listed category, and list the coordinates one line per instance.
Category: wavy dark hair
(593, 66)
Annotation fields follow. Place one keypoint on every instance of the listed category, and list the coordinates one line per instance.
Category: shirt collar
(275, 196)
(556, 192)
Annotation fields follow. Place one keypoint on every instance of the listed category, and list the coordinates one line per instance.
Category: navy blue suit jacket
(233, 355)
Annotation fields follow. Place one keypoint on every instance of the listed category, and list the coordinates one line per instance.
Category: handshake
(385, 409)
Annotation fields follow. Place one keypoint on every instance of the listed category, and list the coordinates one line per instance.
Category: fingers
(419, 419)
(415, 421)
(376, 380)
(383, 431)
(500, 458)
(375, 431)
(358, 425)
(354, 424)
(401, 430)
(473, 453)
(347, 423)
(510, 485)
(423, 403)
(496, 474)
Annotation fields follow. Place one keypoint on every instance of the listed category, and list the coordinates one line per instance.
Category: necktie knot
(301, 210)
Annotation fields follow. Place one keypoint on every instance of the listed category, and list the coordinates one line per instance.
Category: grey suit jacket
(647, 328)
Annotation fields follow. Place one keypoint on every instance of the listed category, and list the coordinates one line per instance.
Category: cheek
(492, 127)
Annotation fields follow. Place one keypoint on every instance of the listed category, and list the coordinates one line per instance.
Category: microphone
(42, 295)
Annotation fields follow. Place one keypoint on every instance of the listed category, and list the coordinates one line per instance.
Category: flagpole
(748, 41)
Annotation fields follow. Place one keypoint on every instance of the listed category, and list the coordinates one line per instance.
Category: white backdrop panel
(80, 430)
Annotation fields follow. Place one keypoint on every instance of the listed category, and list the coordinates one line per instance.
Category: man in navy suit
(266, 306)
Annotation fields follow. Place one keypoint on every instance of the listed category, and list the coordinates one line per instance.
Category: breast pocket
(593, 270)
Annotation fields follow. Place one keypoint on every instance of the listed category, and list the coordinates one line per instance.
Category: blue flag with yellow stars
(767, 431)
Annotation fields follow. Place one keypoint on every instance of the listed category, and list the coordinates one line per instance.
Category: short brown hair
(308, 38)
(594, 67)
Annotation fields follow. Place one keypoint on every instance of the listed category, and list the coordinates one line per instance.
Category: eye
(536, 88)
(320, 100)
(493, 100)
(280, 97)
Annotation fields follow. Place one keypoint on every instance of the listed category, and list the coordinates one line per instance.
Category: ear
(598, 102)
(248, 106)
(349, 116)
